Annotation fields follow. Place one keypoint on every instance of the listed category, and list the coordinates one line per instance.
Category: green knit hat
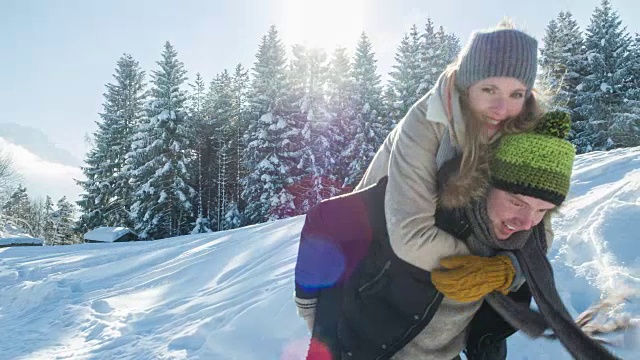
(537, 163)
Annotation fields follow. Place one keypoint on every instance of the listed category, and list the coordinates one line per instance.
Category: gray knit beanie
(501, 52)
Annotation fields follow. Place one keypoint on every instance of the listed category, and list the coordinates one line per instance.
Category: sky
(229, 295)
(57, 55)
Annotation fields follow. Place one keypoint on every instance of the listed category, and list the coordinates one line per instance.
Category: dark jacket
(371, 303)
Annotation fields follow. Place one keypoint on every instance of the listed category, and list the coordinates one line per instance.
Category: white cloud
(42, 177)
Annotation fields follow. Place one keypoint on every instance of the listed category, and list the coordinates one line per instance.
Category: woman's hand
(469, 278)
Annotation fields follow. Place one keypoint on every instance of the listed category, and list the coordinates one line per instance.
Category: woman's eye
(517, 95)
(489, 90)
(516, 204)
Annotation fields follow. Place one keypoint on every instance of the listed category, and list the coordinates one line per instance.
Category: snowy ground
(229, 295)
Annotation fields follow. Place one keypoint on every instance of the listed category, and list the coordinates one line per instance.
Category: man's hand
(469, 278)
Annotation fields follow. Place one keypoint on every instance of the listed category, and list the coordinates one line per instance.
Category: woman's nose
(499, 108)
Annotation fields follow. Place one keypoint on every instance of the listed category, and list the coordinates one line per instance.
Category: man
(362, 301)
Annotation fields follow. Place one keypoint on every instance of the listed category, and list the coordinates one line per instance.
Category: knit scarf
(530, 253)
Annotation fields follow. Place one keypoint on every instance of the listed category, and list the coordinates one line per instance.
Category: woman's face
(497, 99)
(510, 213)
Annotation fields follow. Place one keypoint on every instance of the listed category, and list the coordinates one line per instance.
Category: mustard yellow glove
(469, 278)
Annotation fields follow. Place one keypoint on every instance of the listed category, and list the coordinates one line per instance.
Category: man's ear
(556, 210)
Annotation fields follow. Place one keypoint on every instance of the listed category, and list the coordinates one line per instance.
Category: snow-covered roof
(20, 240)
(107, 233)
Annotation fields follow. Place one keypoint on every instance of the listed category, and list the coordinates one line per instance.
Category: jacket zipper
(376, 278)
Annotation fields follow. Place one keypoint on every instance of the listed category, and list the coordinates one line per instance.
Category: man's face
(510, 213)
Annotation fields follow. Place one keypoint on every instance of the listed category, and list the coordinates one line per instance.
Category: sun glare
(325, 24)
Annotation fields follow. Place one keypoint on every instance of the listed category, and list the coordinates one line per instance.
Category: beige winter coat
(408, 156)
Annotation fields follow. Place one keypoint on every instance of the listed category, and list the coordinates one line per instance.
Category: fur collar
(457, 190)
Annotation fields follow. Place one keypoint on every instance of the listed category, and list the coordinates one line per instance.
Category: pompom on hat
(536, 163)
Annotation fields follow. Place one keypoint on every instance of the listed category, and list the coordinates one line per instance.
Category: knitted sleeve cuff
(306, 307)
(518, 279)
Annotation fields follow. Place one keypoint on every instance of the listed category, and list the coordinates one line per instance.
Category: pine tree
(206, 157)
(307, 79)
(367, 131)
(450, 49)
(389, 112)
(438, 50)
(63, 223)
(17, 209)
(108, 194)
(429, 51)
(340, 98)
(237, 129)
(420, 59)
(562, 56)
(407, 75)
(198, 120)
(223, 114)
(164, 200)
(551, 55)
(17, 205)
(36, 217)
(48, 227)
(625, 128)
(271, 152)
(602, 95)
(233, 218)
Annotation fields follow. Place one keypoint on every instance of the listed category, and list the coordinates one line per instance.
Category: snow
(228, 295)
(281, 124)
(166, 115)
(265, 165)
(266, 118)
(165, 169)
(107, 234)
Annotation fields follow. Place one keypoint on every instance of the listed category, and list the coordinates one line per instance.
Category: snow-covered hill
(228, 295)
